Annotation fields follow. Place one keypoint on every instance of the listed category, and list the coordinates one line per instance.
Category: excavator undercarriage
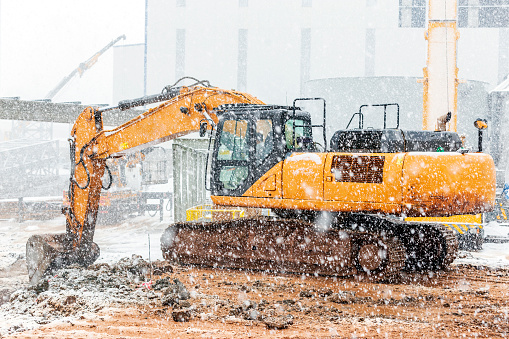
(284, 245)
(365, 246)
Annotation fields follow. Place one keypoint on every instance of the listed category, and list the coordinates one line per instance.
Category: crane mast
(441, 74)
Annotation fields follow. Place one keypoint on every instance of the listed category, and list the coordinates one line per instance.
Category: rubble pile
(127, 293)
(75, 291)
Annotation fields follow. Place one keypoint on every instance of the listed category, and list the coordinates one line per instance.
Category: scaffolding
(30, 168)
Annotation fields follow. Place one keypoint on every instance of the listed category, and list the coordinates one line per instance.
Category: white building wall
(128, 72)
(400, 52)
(478, 54)
(381, 13)
(338, 30)
(273, 69)
(337, 53)
(160, 44)
(212, 59)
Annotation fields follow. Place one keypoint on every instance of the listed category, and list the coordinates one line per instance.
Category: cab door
(303, 176)
(231, 157)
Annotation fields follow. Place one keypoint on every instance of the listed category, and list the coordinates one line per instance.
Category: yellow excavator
(339, 201)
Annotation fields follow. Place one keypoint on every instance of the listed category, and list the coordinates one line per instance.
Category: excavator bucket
(43, 253)
(46, 253)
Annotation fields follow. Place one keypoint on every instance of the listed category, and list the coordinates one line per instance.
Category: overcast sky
(43, 41)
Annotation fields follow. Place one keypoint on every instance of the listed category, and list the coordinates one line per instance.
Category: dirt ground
(464, 302)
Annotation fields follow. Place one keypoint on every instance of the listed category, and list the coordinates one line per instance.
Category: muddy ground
(114, 301)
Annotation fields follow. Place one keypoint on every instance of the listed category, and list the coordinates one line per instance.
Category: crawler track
(451, 245)
(285, 245)
(430, 246)
(393, 253)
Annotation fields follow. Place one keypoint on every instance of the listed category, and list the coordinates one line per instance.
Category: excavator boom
(181, 113)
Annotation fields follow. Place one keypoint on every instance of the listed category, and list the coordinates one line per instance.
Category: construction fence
(189, 161)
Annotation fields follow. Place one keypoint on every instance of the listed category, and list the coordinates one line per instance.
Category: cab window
(233, 154)
(297, 134)
(264, 139)
(233, 143)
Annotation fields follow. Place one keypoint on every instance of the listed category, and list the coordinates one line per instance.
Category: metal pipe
(149, 99)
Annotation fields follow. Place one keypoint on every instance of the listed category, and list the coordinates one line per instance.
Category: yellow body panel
(441, 184)
(313, 205)
(409, 184)
(457, 219)
(303, 176)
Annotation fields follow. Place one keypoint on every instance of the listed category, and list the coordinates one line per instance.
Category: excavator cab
(251, 139)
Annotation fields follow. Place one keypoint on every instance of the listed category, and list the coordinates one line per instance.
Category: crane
(82, 67)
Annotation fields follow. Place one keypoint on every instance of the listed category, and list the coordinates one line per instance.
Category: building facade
(271, 48)
(278, 50)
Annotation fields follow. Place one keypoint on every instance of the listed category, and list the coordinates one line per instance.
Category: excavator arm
(181, 113)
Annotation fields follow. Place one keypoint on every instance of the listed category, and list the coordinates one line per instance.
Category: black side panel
(367, 141)
(431, 141)
(393, 140)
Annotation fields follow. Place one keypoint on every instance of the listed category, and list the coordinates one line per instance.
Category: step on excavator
(339, 203)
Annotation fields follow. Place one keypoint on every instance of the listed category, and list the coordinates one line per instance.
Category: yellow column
(441, 74)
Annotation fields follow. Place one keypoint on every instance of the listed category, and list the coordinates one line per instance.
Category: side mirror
(203, 128)
(480, 124)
